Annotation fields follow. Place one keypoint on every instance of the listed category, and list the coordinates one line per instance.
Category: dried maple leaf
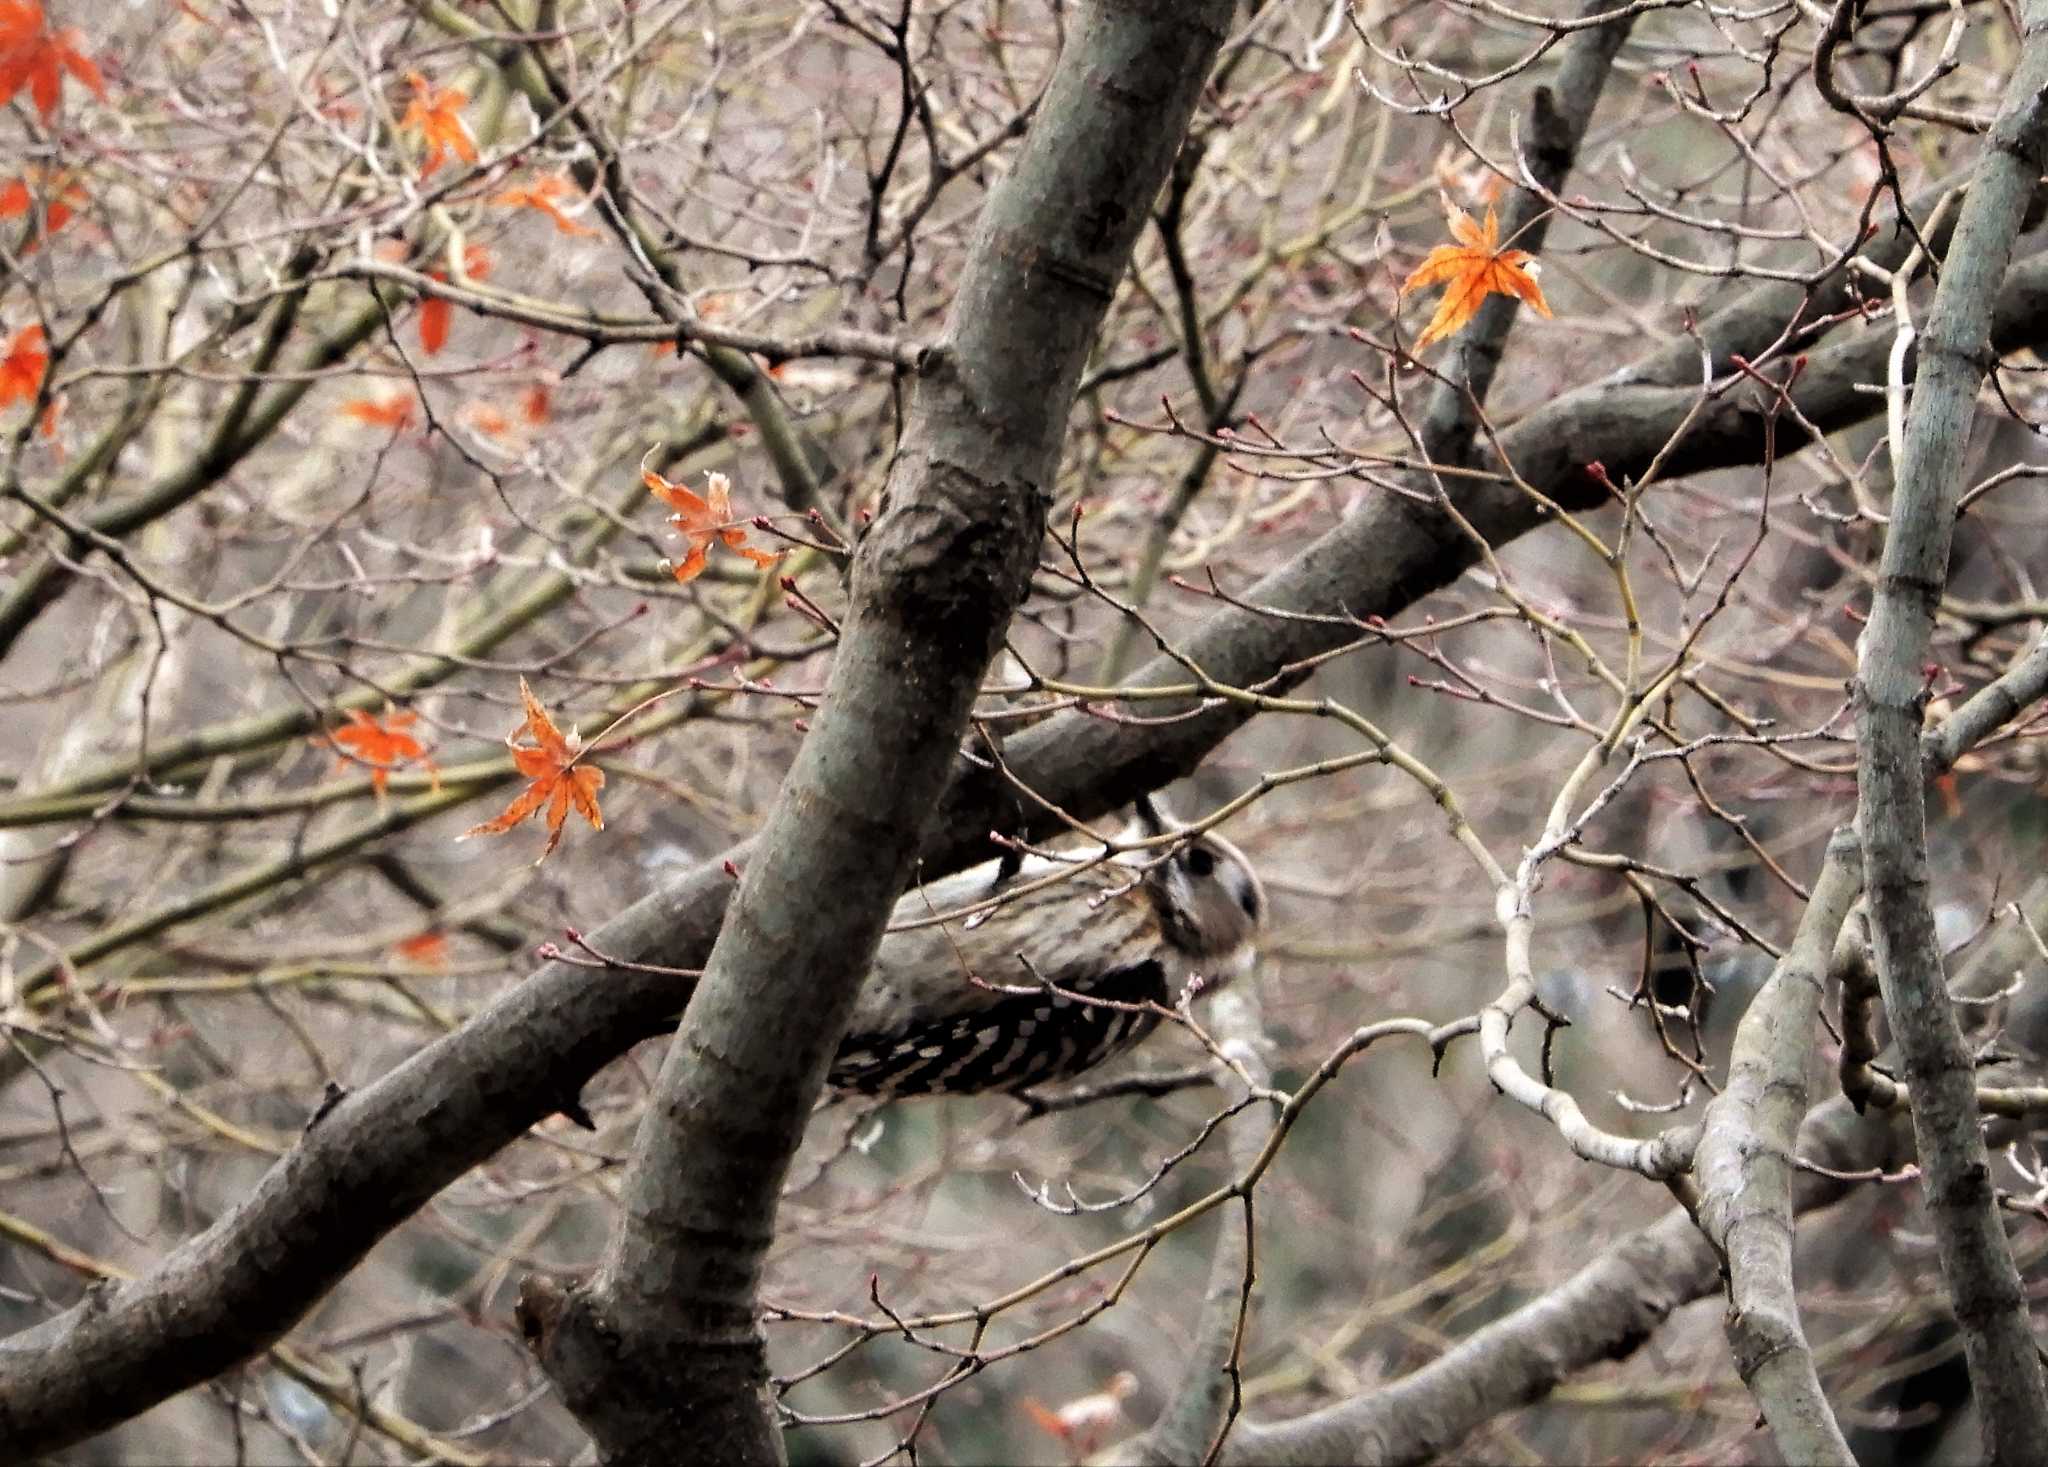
(35, 56)
(429, 949)
(436, 115)
(1951, 800)
(394, 412)
(541, 194)
(56, 193)
(488, 420)
(703, 520)
(1475, 268)
(21, 370)
(437, 311)
(382, 743)
(558, 780)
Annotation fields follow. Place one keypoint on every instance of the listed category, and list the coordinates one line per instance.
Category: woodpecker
(1023, 971)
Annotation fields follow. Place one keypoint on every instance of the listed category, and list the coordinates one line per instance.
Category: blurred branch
(1604, 1312)
(380, 1153)
(601, 329)
(1987, 710)
(1151, 1084)
(325, 1381)
(1205, 1402)
(649, 264)
(1391, 550)
(170, 760)
(1551, 136)
(245, 425)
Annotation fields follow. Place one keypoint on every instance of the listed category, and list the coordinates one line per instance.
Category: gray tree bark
(379, 1154)
(1744, 1170)
(660, 1354)
(1602, 1312)
(1891, 814)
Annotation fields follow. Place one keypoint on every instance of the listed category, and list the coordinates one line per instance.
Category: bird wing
(1073, 933)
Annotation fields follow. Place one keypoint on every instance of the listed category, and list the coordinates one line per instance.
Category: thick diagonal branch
(379, 1155)
(661, 1355)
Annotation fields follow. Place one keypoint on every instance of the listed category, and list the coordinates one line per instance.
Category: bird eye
(1200, 862)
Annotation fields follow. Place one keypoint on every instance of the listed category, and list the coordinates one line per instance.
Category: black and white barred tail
(1013, 974)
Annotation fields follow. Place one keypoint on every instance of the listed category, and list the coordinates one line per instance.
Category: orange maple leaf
(21, 370)
(394, 412)
(19, 196)
(1951, 798)
(703, 520)
(437, 117)
(541, 194)
(429, 949)
(35, 56)
(1476, 267)
(437, 311)
(488, 419)
(381, 743)
(558, 780)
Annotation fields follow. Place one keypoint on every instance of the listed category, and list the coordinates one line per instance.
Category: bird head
(1209, 900)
